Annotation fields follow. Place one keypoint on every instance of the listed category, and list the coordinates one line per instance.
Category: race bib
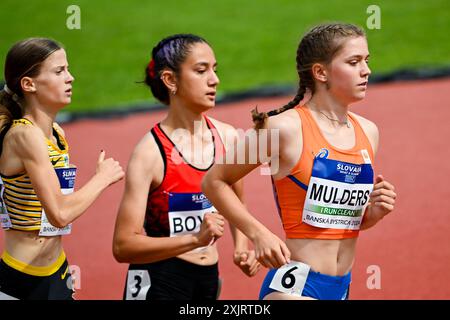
(186, 212)
(66, 177)
(138, 284)
(338, 193)
(290, 278)
(4, 216)
(4, 296)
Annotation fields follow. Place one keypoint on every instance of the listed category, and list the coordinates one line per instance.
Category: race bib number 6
(290, 278)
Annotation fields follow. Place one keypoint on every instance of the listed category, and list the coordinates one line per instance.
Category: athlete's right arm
(270, 251)
(60, 209)
(130, 245)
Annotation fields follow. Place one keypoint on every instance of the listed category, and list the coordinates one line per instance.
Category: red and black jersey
(177, 206)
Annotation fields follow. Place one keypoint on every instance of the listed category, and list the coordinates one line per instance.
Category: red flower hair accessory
(151, 68)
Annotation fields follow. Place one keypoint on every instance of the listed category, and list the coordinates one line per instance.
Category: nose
(366, 70)
(70, 78)
(214, 79)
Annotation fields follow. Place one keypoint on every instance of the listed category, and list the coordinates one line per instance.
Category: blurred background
(254, 41)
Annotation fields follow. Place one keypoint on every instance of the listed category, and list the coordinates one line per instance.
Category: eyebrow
(358, 56)
(205, 64)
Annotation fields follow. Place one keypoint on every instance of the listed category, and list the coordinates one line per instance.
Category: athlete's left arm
(382, 198)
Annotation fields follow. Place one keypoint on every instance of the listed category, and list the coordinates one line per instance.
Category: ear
(170, 80)
(319, 72)
(27, 84)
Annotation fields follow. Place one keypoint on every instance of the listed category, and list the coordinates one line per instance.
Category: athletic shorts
(298, 279)
(172, 279)
(25, 282)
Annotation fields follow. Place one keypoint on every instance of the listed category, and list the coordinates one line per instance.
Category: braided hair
(169, 53)
(319, 45)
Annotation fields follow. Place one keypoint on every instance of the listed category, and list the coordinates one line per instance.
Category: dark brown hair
(319, 45)
(169, 53)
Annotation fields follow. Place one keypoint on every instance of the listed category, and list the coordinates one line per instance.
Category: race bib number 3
(138, 284)
(290, 278)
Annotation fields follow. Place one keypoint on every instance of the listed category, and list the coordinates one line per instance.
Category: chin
(361, 96)
(208, 106)
(64, 103)
(358, 97)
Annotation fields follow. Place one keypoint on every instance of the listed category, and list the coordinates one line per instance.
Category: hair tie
(8, 90)
(151, 68)
(14, 96)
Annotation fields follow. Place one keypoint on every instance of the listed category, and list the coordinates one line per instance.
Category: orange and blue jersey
(325, 194)
(177, 206)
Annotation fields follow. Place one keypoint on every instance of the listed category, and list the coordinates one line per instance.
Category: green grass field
(254, 40)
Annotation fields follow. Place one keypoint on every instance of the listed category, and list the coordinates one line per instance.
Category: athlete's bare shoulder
(20, 143)
(227, 132)
(146, 161)
(289, 125)
(23, 137)
(287, 120)
(222, 127)
(370, 129)
(147, 148)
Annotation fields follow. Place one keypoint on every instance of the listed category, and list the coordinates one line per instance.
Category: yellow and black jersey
(20, 201)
